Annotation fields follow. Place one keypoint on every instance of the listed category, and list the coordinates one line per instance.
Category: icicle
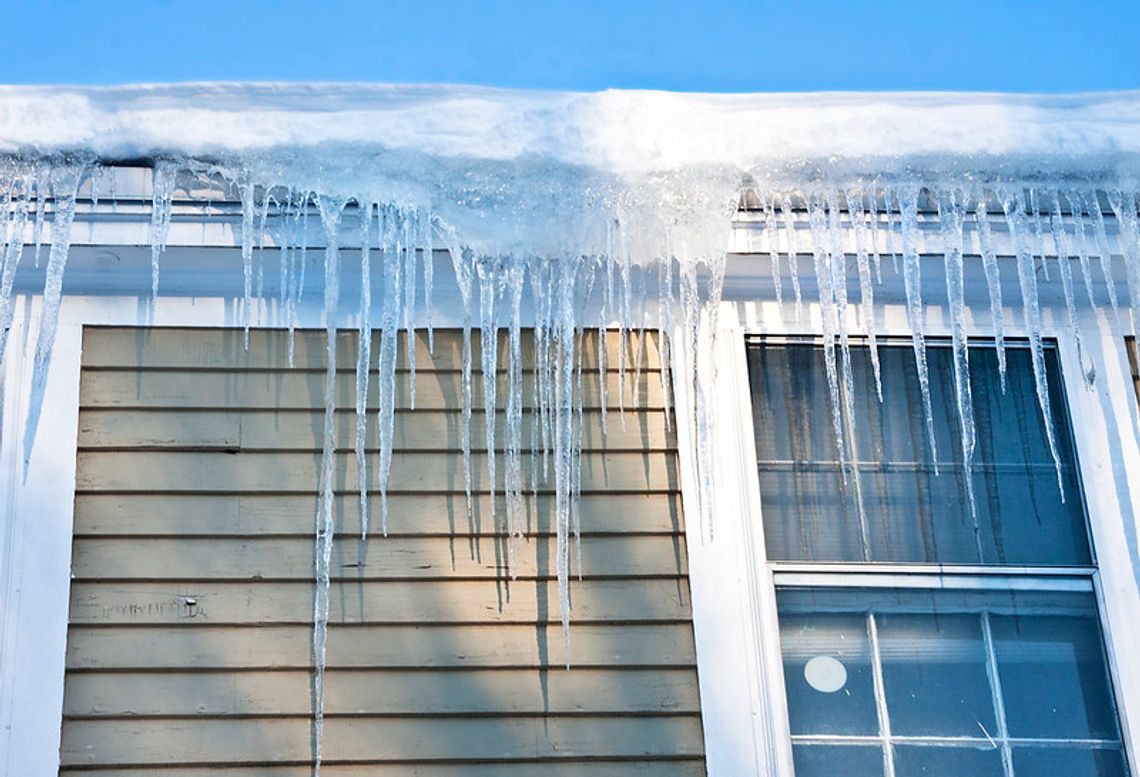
(409, 240)
(993, 280)
(951, 213)
(392, 226)
(513, 281)
(564, 466)
(626, 319)
(1013, 203)
(1080, 244)
(162, 185)
(912, 283)
(246, 190)
(64, 185)
(772, 233)
(1038, 232)
(785, 206)
(873, 217)
(1104, 254)
(486, 270)
(330, 215)
(817, 219)
(41, 183)
(425, 224)
(866, 287)
(363, 359)
(13, 252)
(462, 271)
(1123, 204)
(1061, 246)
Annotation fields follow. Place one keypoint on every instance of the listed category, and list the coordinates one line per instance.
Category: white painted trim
(37, 515)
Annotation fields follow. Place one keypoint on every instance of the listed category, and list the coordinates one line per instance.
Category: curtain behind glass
(909, 513)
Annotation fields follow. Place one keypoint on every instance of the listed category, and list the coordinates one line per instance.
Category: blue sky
(998, 45)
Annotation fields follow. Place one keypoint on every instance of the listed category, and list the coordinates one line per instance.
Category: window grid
(998, 739)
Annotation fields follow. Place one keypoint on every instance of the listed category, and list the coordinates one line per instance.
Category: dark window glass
(909, 512)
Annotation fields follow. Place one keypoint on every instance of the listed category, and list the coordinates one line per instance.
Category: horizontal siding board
(205, 647)
(296, 390)
(183, 741)
(438, 601)
(379, 559)
(213, 471)
(383, 692)
(424, 514)
(304, 430)
(225, 349)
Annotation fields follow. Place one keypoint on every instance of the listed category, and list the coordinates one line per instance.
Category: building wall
(192, 596)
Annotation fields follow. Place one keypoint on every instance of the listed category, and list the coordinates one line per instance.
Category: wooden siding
(192, 594)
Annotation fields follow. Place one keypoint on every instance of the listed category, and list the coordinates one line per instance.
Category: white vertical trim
(1106, 432)
(740, 672)
(37, 518)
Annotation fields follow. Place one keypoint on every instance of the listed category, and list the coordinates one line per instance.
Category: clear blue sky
(1000, 45)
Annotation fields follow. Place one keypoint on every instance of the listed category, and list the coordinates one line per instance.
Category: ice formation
(608, 213)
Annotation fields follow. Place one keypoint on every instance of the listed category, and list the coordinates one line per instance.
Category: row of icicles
(609, 292)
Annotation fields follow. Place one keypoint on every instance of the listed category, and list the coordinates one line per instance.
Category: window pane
(935, 652)
(934, 671)
(1067, 761)
(948, 762)
(827, 666)
(837, 761)
(1053, 677)
(910, 514)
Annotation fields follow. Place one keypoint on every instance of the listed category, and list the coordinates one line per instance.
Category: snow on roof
(623, 133)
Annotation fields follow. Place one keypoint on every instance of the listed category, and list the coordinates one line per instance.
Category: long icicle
(993, 279)
(363, 359)
(952, 213)
(1013, 202)
(912, 284)
(64, 185)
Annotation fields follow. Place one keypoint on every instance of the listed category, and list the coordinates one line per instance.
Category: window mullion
(881, 697)
(995, 689)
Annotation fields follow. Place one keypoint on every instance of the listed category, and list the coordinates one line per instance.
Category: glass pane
(827, 668)
(910, 514)
(1053, 677)
(935, 656)
(934, 672)
(914, 761)
(1067, 761)
(837, 761)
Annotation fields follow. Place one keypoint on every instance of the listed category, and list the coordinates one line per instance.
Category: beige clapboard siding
(436, 601)
(214, 471)
(405, 558)
(190, 642)
(691, 766)
(224, 349)
(142, 515)
(213, 740)
(298, 390)
(383, 692)
(496, 645)
(421, 430)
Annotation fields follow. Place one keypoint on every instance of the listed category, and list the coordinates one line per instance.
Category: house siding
(192, 594)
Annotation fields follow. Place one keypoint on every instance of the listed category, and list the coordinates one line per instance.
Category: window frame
(740, 583)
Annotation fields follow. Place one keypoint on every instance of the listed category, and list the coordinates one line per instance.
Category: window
(920, 637)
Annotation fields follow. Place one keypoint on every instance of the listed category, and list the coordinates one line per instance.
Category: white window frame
(742, 684)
